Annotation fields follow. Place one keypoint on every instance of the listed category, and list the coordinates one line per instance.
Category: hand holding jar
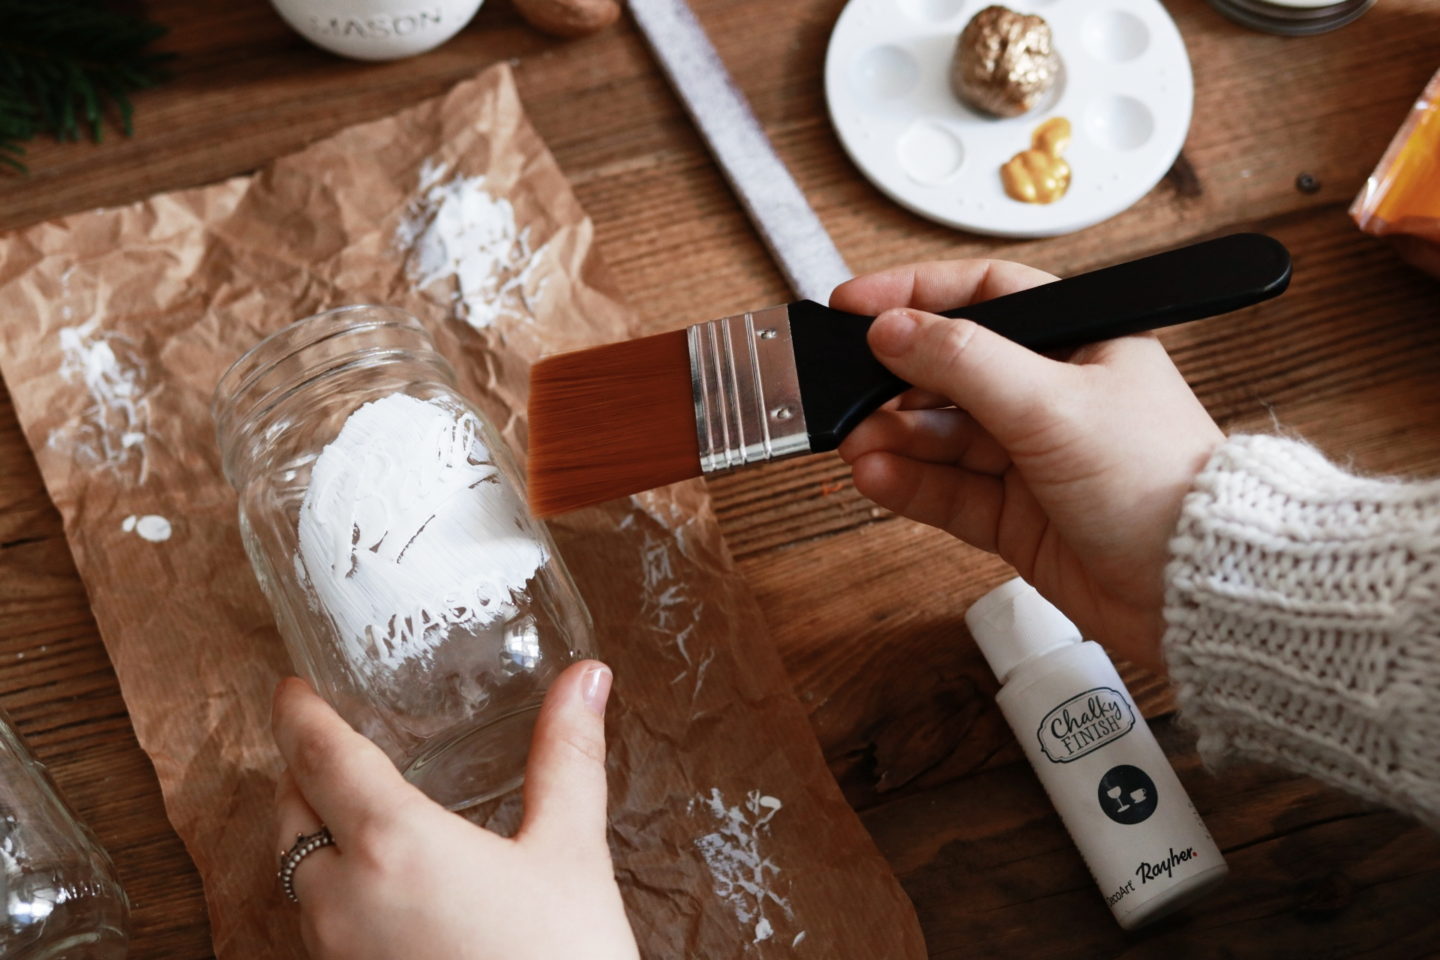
(407, 878)
(385, 522)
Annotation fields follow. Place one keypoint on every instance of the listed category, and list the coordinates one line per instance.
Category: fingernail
(893, 332)
(595, 687)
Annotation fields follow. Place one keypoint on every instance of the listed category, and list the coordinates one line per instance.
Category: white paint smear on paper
(408, 531)
(151, 526)
(743, 875)
(455, 230)
(112, 430)
(667, 608)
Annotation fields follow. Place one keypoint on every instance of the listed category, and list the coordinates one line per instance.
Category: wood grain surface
(864, 607)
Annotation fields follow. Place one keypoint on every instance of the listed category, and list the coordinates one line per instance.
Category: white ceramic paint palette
(1126, 89)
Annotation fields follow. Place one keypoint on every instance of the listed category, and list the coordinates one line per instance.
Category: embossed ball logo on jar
(1085, 723)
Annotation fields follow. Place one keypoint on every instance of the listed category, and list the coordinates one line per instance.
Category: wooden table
(864, 607)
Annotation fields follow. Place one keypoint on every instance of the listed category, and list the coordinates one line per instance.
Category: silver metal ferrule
(747, 391)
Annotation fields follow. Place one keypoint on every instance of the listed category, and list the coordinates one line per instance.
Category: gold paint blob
(1040, 174)
(1005, 62)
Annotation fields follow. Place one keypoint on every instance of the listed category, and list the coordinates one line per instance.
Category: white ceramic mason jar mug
(386, 523)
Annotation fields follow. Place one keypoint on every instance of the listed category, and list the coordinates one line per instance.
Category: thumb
(565, 789)
(1007, 388)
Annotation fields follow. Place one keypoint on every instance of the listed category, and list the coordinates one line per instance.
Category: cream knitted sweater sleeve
(1303, 612)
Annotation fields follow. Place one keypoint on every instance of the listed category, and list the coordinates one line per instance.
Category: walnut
(1004, 62)
(569, 18)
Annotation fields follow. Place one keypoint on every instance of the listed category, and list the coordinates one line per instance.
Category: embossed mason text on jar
(387, 526)
(61, 895)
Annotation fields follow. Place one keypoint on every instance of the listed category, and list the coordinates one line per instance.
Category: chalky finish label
(1085, 723)
(1111, 783)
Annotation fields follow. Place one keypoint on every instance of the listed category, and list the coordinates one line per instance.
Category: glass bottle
(386, 524)
(61, 896)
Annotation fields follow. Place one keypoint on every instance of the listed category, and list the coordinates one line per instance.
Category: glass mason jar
(386, 523)
(62, 898)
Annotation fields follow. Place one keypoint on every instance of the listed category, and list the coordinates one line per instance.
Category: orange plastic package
(1402, 195)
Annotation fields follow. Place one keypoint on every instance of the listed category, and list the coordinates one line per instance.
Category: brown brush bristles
(611, 421)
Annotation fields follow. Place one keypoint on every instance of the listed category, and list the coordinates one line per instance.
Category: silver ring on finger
(304, 845)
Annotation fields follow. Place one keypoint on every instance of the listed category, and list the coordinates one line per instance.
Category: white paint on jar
(408, 531)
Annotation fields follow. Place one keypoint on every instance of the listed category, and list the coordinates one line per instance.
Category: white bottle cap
(1013, 623)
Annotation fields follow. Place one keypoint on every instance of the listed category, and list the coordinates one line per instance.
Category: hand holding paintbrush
(1073, 471)
(622, 418)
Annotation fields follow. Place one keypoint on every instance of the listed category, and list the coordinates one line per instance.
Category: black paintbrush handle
(841, 382)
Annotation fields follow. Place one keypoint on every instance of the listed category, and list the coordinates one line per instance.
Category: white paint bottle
(1140, 835)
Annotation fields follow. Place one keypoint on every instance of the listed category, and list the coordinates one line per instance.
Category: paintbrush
(626, 417)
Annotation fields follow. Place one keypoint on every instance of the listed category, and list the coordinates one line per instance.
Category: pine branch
(65, 64)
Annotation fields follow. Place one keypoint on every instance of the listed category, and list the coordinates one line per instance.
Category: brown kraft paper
(730, 837)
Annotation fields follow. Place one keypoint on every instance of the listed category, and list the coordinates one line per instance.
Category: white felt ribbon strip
(796, 237)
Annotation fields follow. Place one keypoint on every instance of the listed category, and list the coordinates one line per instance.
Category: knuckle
(371, 839)
(950, 339)
(1050, 408)
(1052, 412)
(583, 747)
(314, 755)
(377, 839)
(1041, 432)
(385, 839)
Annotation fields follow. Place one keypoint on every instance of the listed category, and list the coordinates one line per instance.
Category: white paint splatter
(667, 608)
(455, 230)
(743, 875)
(111, 431)
(407, 531)
(151, 526)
